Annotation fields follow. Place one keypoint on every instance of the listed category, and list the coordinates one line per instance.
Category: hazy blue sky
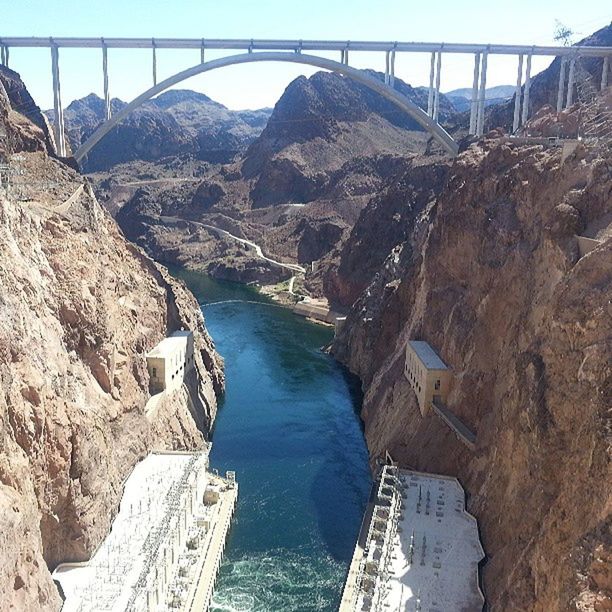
(257, 85)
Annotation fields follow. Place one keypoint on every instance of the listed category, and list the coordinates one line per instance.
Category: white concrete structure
(170, 361)
(427, 374)
(164, 547)
(418, 548)
(293, 51)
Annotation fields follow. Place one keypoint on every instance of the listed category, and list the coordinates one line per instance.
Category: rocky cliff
(544, 86)
(79, 308)
(490, 274)
(177, 122)
(329, 145)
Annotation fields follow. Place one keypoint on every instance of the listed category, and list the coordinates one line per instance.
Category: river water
(288, 426)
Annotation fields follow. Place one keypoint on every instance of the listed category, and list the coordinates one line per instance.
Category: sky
(261, 84)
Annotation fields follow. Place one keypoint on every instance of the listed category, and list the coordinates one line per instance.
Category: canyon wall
(79, 309)
(489, 273)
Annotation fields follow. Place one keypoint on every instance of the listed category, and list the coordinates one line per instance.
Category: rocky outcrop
(544, 86)
(176, 122)
(79, 309)
(490, 275)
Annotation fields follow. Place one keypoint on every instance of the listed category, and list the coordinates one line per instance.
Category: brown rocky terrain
(79, 308)
(544, 86)
(486, 268)
(329, 145)
(177, 122)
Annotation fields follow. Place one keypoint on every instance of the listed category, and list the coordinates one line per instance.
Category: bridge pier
(570, 83)
(604, 72)
(387, 66)
(202, 60)
(392, 79)
(58, 124)
(107, 104)
(4, 55)
(517, 96)
(436, 107)
(154, 63)
(430, 98)
(482, 94)
(474, 103)
(527, 88)
(561, 84)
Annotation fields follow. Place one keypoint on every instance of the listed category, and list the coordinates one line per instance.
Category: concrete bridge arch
(401, 101)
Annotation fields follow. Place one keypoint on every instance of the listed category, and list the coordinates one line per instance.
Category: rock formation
(175, 122)
(79, 308)
(486, 267)
(329, 145)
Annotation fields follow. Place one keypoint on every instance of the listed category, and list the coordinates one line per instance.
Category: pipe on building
(107, 104)
(482, 94)
(561, 84)
(474, 104)
(604, 72)
(430, 98)
(570, 83)
(517, 95)
(58, 124)
(527, 88)
(437, 92)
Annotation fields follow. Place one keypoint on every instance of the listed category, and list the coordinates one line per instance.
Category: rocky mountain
(174, 123)
(79, 309)
(328, 146)
(461, 98)
(544, 86)
(480, 258)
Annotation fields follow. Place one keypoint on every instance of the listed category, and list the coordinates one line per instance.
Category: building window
(154, 372)
(437, 385)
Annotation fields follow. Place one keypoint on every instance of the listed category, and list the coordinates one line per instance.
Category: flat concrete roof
(107, 581)
(170, 344)
(427, 355)
(442, 570)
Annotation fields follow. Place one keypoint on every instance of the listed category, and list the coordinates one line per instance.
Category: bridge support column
(525, 115)
(392, 79)
(570, 83)
(437, 92)
(474, 104)
(4, 55)
(430, 98)
(202, 60)
(154, 64)
(107, 104)
(482, 94)
(561, 84)
(387, 64)
(604, 72)
(58, 124)
(517, 95)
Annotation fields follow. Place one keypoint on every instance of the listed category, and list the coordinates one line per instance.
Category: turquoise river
(288, 426)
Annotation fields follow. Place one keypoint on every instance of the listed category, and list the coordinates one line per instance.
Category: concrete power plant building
(427, 374)
(166, 543)
(170, 361)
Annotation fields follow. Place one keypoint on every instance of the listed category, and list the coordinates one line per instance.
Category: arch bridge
(302, 52)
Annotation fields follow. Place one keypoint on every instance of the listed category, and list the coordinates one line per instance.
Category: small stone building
(170, 361)
(427, 374)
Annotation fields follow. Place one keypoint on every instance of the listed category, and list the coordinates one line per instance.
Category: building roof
(443, 568)
(170, 344)
(427, 355)
(110, 578)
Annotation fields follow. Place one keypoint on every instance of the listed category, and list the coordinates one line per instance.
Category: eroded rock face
(492, 279)
(79, 309)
